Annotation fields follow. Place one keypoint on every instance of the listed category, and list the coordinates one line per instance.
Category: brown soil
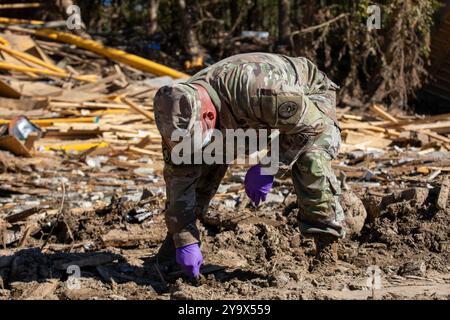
(256, 255)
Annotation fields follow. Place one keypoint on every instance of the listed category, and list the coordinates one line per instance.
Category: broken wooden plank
(144, 151)
(23, 215)
(5, 188)
(16, 107)
(14, 60)
(356, 138)
(118, 238)
(138, 109)
(416, 120)
(46, 72)
(115, 54)
(361, 125)
(72, 146)
(12, 144)
(21, 5)
(436, 136)
(98, 85)
(30, 58)
(442, 125)
(143, 143)
(378, 110)
(35, 88)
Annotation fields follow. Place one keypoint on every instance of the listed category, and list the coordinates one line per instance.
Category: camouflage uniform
(255, 90)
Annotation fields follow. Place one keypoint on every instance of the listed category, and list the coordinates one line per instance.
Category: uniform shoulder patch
(287, 109)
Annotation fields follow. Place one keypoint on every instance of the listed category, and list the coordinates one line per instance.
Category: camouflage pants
(189, 189)
(314, 180)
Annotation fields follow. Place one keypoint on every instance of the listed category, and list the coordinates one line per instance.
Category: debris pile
(403, 151)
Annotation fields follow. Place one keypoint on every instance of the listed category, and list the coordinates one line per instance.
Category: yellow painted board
(30, 58)
(5, 20)
(50, 121)
(12, 67)
(111, 111)
(72, 147)
(4, 42)
(21, 5)
(132, 60)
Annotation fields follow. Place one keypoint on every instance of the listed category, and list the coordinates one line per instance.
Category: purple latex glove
(190, 258)
(257, 186)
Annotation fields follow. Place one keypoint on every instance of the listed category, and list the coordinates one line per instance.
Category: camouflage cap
(176, 107)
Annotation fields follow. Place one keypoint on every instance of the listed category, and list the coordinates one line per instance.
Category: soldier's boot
(325, 260)
(166, 253)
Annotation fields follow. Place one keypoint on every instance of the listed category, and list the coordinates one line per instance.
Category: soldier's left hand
(257, 185)
(190, 258)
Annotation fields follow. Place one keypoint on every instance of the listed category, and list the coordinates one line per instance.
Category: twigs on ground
(59, 215)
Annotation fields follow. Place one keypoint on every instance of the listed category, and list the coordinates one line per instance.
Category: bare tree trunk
(153, 16)
(284, 23)
(297, 14)
(191, 43)
(252, 18)
(234, 11)
(62, 6)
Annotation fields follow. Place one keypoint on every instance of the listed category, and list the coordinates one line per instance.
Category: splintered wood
(370, 132)
(380, 148)
(47, 84)
(99, 138)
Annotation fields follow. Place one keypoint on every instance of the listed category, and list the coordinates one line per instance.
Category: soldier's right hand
(190, 258)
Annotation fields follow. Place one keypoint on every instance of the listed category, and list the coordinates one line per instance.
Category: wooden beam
(21, 5)
(12, 67)
(430, 126)
(51, 121)
(30, 58)
(436, 136)
(74, 147)
(138, 109)
(144, 151)
(378, 110)
(6, 20)
(114, 54)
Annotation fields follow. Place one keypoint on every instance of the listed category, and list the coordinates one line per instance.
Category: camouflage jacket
(254, 90)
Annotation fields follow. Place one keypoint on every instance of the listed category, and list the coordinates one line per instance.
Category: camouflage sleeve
(292, 145)
(181, 181)
(320, 114)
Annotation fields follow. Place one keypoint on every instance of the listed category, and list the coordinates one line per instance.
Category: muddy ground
(402, 252)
